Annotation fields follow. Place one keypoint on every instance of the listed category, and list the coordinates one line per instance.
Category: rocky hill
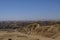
(49, 29)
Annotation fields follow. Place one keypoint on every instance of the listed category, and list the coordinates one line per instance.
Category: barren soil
(22, 36)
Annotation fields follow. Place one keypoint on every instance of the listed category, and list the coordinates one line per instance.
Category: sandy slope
(22, 36)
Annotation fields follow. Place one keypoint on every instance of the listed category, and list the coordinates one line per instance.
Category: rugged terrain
(29, 30)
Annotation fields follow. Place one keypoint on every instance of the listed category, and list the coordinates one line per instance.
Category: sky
(29, 10)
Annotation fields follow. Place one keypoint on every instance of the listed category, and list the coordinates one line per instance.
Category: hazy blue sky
(29, 9)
